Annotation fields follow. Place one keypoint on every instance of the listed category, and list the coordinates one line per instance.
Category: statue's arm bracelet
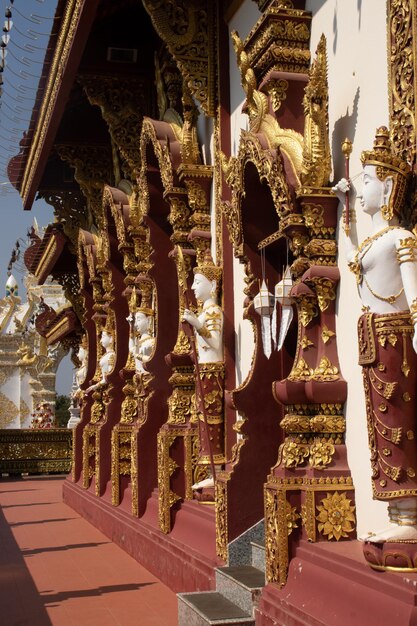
(407, 250)
(204, 332)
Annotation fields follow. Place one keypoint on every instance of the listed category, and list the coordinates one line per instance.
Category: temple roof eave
(53, 92)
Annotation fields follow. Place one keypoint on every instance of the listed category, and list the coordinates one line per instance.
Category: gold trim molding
(63, 47)
(402, 58)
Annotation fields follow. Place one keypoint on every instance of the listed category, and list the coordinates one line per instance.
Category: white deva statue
(141, 340)
(107, 360)
(208, 330)
(78, 380)
(385, 266)
(81, 372)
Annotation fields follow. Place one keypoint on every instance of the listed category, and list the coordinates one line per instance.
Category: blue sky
(25, 52)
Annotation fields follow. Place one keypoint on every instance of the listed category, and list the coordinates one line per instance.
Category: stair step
(210, 608)
(241, 584)
(258, 555)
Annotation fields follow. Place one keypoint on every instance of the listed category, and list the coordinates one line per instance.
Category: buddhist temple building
(28, 365)
(191, 150)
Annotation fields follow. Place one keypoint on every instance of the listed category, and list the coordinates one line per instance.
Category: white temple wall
(26, 403)
(358, 104)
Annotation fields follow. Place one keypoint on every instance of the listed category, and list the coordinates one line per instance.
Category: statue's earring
(387, 212)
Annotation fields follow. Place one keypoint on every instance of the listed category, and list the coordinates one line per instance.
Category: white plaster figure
(106, 361)
(385, 266)
(208, 331)
(141, 340)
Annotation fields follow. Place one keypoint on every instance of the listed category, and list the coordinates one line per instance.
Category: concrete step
(210, 608)
(258, 555)
(241, 584)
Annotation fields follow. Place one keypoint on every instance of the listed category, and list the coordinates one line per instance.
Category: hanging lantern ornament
(8, 21)
(3, 53)
(282, 294)
(264, 304)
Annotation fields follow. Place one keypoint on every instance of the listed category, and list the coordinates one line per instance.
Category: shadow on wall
(344, 127)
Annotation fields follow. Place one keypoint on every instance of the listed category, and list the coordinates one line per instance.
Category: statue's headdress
(84, 341)
(109, 326)
(208, 269)
(388, 163)
(145, 304)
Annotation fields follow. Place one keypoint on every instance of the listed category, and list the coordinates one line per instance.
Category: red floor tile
(56, 569)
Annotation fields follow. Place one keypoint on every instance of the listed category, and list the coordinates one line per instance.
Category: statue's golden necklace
(355, 266)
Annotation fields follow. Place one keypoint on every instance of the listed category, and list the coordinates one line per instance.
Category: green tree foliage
(62, 414)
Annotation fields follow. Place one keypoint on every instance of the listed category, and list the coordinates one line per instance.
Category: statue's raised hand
(191, 318)
(341, 188)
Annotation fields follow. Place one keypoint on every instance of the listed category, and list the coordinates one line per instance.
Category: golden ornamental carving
(37, 451)
(121, 455)
(8, 411)
(295, 424)
(326, 334)
(322, 248)
(321, 454)
(161, 150)
(221, 516)
(182, 345)
(166, 467)
(316, 167)
(292, 516)
(69, 210)
(401, 76)
(297, 242)
(279, 41)
(191, 450)
(187, 28)
(89, 436)
(325, 290)
(277, 89)
(336, 516)
(270, 170)
(313, 215)
(289, 141)
(305, 343)
(325, 371)
(276, 535)
(97, 410)
(179, 218)
(93, 168)
(180, 405)
(300, 371)
(307, 309)
(129, 408)
(294, 453)
(308, 515)
(199, 203)
(328, 424)
(123, 102)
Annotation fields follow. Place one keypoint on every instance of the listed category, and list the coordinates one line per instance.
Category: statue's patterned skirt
(212, 379)
(389, 366)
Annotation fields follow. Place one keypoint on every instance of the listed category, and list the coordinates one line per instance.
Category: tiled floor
(55, 568)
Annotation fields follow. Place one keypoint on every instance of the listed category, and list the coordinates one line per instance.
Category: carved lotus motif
(336, 516)
(292, 517)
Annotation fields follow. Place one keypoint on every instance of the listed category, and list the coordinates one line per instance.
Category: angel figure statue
(385, 267)
(208, 332)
